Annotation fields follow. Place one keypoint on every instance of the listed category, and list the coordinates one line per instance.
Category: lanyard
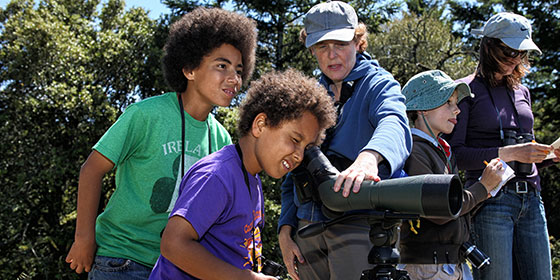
(512, 99)
(254, 267)
(245, 173)
(182, 110)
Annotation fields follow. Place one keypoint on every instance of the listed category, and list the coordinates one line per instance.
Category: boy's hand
(290, 251)
(492, 174)
(363, 168)
(81, 254)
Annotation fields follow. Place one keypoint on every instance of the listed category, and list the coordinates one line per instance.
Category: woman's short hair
(492, 57)
(200, 32)
(285, 96)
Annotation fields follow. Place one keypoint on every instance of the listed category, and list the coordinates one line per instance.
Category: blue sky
(155, 7)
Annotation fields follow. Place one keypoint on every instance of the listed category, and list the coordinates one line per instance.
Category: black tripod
(383, 235)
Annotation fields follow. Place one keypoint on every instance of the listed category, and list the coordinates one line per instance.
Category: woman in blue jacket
(371, 135)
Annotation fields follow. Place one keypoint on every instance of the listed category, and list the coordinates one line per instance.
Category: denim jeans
(510, 228)
(107, 268)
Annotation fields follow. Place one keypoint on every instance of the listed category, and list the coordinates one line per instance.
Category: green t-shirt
(145, 146)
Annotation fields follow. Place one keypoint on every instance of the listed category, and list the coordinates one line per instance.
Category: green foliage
(65, 72)
(413, 44)
(555, 247)
(272, 193)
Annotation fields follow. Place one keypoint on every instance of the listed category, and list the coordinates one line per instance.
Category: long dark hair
(491, 59)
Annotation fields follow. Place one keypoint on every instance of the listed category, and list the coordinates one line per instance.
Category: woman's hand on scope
(363, 168)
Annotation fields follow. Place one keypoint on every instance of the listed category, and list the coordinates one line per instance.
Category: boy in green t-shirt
(208, 54)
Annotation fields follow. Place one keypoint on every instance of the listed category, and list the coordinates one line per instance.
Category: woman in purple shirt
(498, 122)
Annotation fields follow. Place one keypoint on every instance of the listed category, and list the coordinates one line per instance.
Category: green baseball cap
(431, 89)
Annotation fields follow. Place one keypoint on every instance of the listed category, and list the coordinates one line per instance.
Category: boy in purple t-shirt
(214, 230)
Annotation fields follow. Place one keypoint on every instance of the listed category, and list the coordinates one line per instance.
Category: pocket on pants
(109, 264)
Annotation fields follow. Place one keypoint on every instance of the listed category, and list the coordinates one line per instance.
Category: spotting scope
(429, 196)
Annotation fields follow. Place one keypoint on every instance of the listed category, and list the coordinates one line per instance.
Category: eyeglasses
(511, 53)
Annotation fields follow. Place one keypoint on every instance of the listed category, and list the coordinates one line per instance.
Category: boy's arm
(179, 244)
(83, 249)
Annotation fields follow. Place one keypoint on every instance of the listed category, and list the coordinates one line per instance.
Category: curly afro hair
(285, 96)
(200, 32)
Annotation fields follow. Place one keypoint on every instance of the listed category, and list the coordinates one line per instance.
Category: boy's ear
(189, 74)
(259, 124)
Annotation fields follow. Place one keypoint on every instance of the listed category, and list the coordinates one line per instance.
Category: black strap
(182, 110)
(254, 267)
(511, 97)
(245, 175)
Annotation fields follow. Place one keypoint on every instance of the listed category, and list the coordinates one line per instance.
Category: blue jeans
(509, 228)
(107, 268)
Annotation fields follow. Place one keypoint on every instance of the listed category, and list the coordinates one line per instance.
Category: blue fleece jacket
(374, 118)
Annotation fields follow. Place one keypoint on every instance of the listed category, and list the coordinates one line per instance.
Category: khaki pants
(340, 252)
(432, 272)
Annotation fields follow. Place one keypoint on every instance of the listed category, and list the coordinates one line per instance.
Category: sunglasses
(511, 53)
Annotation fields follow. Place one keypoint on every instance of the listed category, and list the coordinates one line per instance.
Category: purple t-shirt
(228, 218)
(476, 137)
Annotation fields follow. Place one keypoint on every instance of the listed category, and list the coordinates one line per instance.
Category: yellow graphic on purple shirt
(253, 243)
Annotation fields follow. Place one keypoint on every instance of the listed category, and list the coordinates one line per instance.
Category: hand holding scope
(429, 196)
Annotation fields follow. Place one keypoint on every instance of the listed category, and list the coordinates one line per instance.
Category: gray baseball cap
(514, 30)
(330, 21)
(431, 89)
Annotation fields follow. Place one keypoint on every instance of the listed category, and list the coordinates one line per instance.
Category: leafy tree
(413, 44)
(66, 70)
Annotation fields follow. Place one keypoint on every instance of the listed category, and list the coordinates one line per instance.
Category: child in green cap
(430, 249)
